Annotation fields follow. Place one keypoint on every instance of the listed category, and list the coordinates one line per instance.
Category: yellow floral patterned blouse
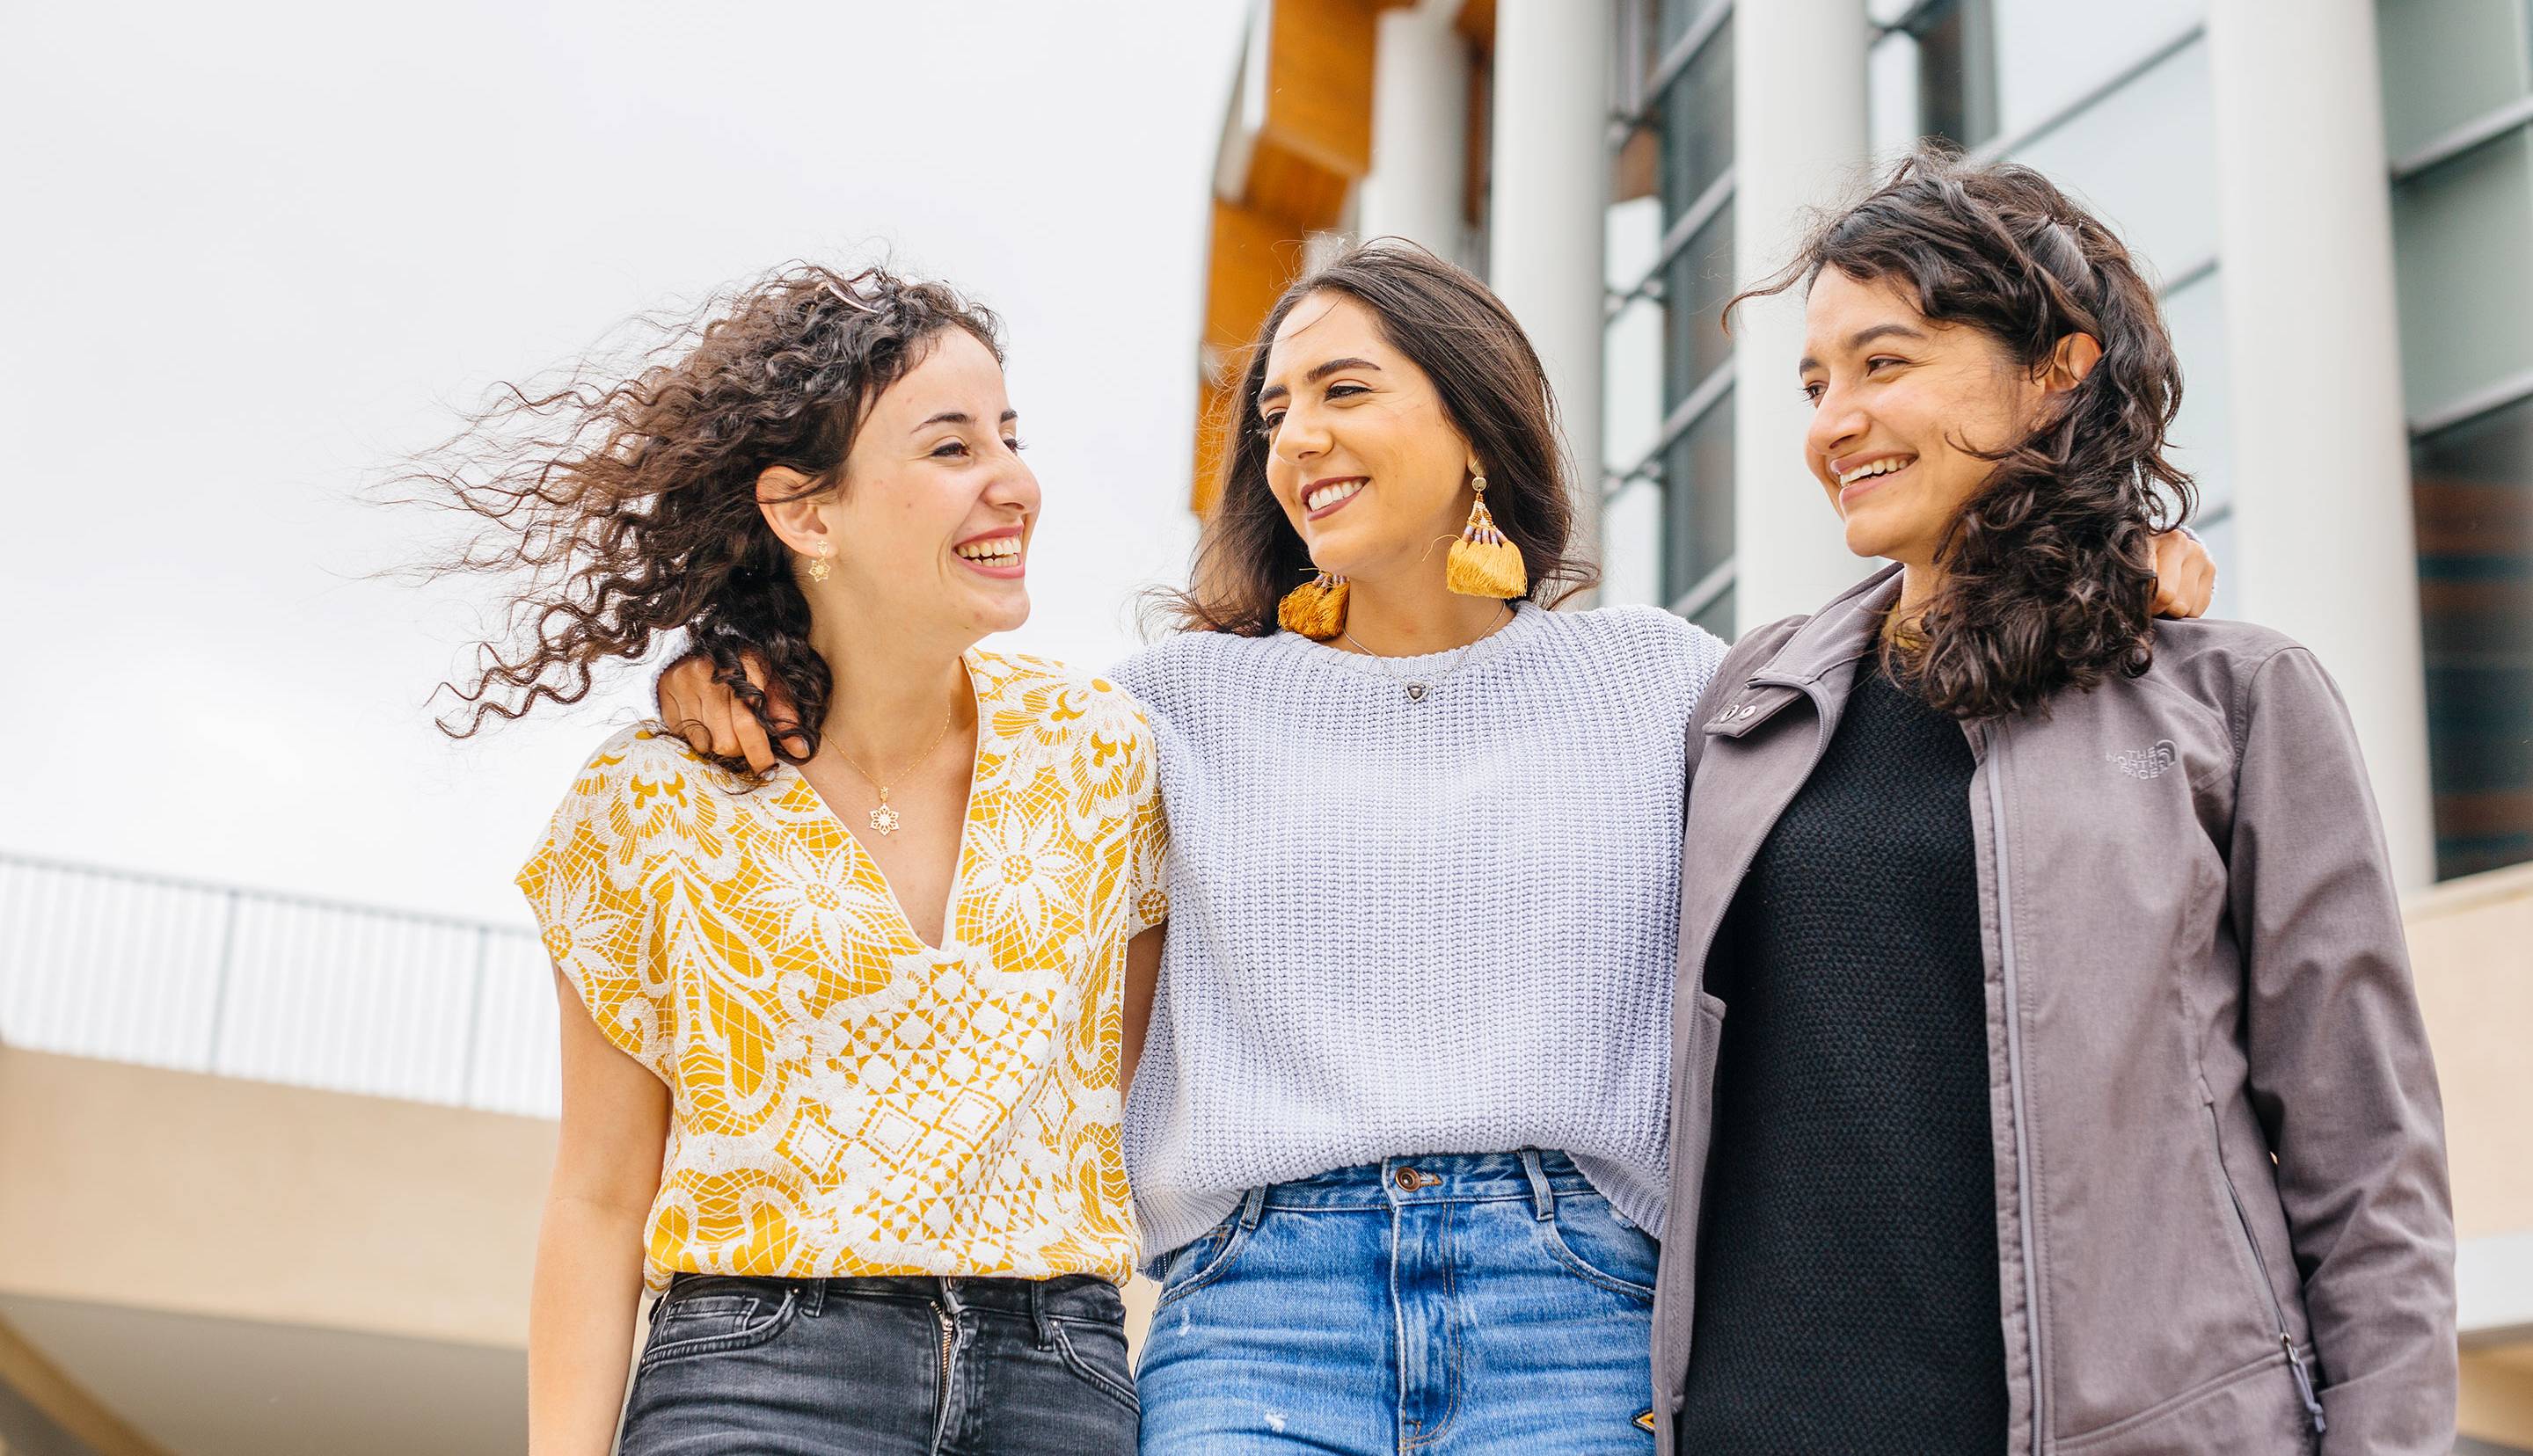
(848, 1101)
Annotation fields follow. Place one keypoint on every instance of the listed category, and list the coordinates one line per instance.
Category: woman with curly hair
(839, 1038)
(2050, 1074)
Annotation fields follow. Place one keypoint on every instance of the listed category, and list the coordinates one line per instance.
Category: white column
(1798, 141)
(1420, 131)
(2321, 457)
(1551, 187)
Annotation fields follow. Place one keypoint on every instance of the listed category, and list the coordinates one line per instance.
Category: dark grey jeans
(810, 1366)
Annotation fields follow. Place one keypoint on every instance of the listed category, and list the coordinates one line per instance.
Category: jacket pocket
(2276, 1312)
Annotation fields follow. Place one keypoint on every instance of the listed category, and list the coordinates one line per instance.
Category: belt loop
(813, 1296)
(1543, 1199)
(1254, 1209)
(1037, 1314)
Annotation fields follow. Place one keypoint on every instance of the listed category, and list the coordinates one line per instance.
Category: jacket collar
(1837, 635)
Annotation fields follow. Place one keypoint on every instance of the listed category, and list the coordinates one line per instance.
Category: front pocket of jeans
(1204, 1262)
(711, 1325)
(1589, 1241)
(1088, 1353)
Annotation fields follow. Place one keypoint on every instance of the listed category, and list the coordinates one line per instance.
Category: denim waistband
(1068, 1296)
(1536, 1174)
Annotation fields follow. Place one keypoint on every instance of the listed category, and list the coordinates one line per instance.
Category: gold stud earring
(1483, 563)
(1316, 609)
(818, 567)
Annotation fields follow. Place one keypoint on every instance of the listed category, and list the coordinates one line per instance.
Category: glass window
(1697, 125)
(1697, 499)
(2474, 487)
(2203, 438)
(1934, 76)
(1631, 386)
(1956, 72)
(2049, 54)
(2461, 237)
(1717, 615)
(1678, 14)
(2141, 157)
(2445, 62)
(1631, 343)
(1891, 94)
(1695, 283)
(1632, 546)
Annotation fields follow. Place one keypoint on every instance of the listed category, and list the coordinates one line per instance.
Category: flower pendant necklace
(885, 818)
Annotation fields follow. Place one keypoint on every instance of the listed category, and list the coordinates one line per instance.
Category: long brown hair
(2049, 574)
(631, 501)
(1493, 390)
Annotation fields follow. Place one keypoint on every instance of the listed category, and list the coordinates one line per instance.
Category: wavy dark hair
(1492, 390)
(2049, 568)
(628, 494)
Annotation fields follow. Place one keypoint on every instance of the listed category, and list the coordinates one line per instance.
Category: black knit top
(1846, 1267)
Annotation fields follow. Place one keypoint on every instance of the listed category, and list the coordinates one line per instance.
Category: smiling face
(930, 528)
(1367, 465)
(1896, 397)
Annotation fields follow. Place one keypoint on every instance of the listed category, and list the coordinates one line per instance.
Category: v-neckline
(967, 811)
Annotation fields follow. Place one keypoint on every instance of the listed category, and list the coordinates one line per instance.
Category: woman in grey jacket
(2048, 1074)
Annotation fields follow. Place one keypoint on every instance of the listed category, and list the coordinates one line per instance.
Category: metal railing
(243, 983)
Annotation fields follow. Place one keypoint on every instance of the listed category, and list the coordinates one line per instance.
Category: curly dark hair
(1493, 390)
(2049, 568)
(630, 495)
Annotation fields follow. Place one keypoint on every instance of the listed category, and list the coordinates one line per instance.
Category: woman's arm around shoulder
(2340, 1067)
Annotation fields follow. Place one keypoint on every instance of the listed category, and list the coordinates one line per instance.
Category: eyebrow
(1333, 366)
(959, 417)
(1865, 336)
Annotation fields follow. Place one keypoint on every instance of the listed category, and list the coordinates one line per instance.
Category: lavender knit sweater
(1403, 927)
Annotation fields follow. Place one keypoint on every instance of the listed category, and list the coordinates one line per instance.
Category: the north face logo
(2148, 763)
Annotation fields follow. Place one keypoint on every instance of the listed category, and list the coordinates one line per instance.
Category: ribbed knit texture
(1847, 1284)
(1402, 927)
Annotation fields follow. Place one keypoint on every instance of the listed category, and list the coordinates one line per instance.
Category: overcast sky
(257, 250)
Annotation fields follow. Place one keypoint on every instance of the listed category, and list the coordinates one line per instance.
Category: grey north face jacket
(2222, 1221)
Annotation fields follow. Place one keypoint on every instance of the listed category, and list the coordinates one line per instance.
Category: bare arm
(1143, 977)
(589, 1246)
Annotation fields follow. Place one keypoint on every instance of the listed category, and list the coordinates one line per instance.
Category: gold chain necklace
(885, 818)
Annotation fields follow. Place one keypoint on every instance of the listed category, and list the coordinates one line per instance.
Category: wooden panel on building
(1312, 145)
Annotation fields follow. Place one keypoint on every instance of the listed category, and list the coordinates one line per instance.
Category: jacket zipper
(2278, 1311)
(1994, 745)
(1820, 749)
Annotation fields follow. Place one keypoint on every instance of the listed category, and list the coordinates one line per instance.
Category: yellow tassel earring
(1316, 609)
(1482, 563)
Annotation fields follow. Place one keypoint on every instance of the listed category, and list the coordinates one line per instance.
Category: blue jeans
(1436, 1306)
(891, 1366)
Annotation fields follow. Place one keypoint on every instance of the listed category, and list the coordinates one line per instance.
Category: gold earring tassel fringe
(1482, 563)
(1316, 609)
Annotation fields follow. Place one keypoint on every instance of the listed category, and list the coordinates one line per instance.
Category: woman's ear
(2073, 359)
(791, 507)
